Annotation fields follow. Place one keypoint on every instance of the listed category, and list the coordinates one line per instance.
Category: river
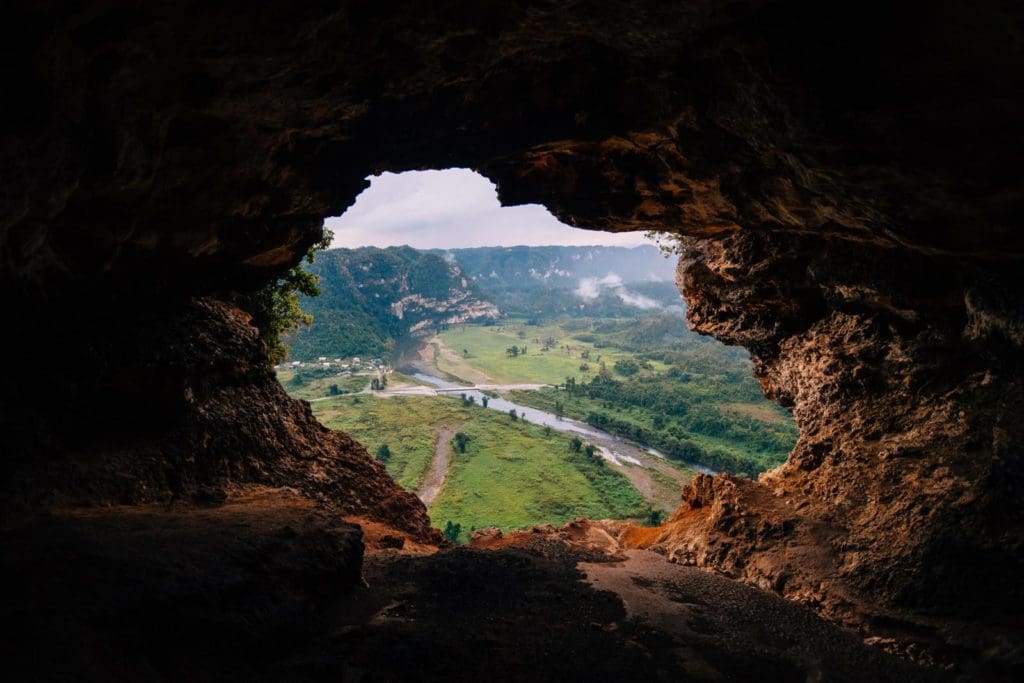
(612, 448)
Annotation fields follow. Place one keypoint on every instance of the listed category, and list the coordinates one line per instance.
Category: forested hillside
(540, 282)
(564, 266)
(370, 297)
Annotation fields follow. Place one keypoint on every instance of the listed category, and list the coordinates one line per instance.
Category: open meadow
(512, 474)
(552, 353)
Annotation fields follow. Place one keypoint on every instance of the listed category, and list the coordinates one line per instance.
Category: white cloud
(590, 288)
(637, 300)
(451, 209)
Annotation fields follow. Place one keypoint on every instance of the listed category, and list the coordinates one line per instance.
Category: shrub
(452, 531)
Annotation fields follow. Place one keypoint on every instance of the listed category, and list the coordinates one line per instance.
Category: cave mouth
(437, 303)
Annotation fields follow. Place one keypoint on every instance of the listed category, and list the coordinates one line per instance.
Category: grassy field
(693, 399)
(406, 424)
(486, 347)
(512, 475)
(303, 387)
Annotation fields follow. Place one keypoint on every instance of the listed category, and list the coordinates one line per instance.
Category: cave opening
(848, 182)
(514, 371)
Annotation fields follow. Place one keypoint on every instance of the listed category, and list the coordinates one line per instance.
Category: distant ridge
(371, 297)
(563, 264)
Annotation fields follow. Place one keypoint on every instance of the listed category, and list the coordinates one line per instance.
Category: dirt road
(433, 480)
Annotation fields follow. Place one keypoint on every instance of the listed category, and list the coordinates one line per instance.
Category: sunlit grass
(486, 347)
(512, 475)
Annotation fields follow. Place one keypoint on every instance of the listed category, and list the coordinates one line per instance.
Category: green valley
(512, 474)
(624, 402)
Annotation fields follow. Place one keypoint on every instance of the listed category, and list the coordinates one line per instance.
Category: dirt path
(433, 480)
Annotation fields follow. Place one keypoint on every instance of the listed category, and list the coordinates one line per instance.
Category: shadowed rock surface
(847, 177)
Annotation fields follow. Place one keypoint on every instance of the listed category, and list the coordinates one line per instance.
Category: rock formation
(846, 177)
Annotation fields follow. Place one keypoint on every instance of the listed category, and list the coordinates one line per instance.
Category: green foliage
(627, 368)
(655, 517)
(383, 454)
(460, 440)
(354, 315)
(311, 382)
(275, 307)
(511, 475)
(575, 444)
(493, 355)
(452, 531)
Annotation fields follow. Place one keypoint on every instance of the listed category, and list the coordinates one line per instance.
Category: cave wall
(846, 178)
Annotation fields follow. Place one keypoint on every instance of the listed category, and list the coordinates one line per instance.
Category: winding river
(612, 448)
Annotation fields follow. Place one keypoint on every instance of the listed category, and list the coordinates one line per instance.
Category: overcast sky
(453, 208)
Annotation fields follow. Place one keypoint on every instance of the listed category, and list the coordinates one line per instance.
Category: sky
(450, 209)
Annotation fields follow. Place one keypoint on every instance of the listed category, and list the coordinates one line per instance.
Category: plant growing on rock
(275, 308)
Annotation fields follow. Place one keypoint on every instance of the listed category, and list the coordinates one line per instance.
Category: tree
(590, 450)
(655, 517)
(626, 368)
(383, 453)
(485, 401)
(460, 442)
(575, 444)
(275, 308)
(375, 384)
(512, 413)
(334, 390)
(452, 531)
(559, 410)
(584, 367)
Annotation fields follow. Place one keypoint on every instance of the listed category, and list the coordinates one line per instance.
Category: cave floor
(550, 612)
(267, 587)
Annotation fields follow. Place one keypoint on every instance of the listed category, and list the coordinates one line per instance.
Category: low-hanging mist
(590, 288)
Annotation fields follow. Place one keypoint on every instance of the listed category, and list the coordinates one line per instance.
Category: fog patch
(590, 288)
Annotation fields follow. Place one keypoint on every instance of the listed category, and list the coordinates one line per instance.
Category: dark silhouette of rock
(847, 178)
